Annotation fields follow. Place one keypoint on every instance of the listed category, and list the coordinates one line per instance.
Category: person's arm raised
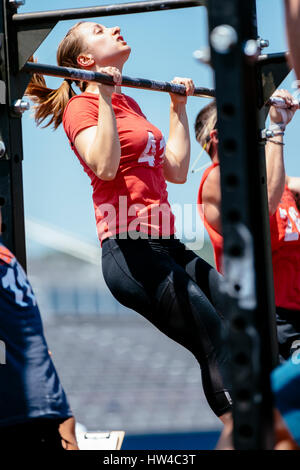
(292, 13)
(99, 146)
(274, 150)
(211, 199)
(177, 159)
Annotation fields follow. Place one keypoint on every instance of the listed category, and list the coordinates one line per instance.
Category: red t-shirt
(136, 199)
(285, 244)
(285, 238)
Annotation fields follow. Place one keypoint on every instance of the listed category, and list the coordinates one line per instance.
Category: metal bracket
(273, 69)
(30, 38)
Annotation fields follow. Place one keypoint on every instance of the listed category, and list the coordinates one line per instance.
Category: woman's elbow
(176, 179)
(272, 205)
(106, 175)
(180, 180)
(106, 169)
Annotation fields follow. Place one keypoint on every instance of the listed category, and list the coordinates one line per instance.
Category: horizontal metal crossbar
(143, 83)
(275, 58)
(104, 10)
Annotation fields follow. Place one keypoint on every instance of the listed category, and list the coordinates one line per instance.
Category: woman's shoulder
(81, 112)
(82, 100)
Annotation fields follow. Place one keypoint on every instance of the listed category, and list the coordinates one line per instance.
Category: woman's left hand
(190, 87)
(280, 115)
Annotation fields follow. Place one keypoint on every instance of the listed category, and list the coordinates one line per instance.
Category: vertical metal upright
(11, 181)
(245, 220)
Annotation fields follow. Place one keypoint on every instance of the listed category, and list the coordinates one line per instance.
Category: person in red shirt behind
(128, 162)
(283, 199)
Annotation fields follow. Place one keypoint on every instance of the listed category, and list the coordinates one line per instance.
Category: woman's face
(105, 46)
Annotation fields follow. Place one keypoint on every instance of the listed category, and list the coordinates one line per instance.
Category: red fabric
(6, 256)
(285, 239)
(138, 193)
(215, 237)
(285, 243)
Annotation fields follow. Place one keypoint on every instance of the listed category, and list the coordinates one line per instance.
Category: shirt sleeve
(80, 114)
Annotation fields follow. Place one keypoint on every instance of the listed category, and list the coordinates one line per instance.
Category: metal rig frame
(244, 82)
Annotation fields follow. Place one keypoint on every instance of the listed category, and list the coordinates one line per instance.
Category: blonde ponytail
(49, 103)
(52, 103)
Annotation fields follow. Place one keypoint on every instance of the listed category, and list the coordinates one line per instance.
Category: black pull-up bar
(85, 75)
(104, 10)
(143, 83)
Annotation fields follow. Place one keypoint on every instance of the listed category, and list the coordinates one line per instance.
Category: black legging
(178, 292)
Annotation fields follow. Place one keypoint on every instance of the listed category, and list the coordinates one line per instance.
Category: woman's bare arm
(292, 12)
(99, 146)
(211, 199)
(177, 159)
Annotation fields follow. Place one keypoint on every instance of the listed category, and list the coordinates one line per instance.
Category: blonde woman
(128, 162)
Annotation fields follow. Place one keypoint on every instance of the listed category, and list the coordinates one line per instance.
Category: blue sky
(56, 190)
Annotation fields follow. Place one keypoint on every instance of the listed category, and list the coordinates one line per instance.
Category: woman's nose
(116, 29)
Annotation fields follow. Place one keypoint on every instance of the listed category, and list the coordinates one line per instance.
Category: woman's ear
(214, 136)
(85, 60)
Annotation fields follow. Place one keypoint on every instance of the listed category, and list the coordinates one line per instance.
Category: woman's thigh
(206, 277)
(156, 286)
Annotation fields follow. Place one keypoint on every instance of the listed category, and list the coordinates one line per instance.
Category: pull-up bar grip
(280, 102)
(85, 75)
(104, 10)
(143, 83)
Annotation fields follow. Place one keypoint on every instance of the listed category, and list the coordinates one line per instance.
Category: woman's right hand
(108, 90)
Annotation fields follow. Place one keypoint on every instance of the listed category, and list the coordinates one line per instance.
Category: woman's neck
(94, 88)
